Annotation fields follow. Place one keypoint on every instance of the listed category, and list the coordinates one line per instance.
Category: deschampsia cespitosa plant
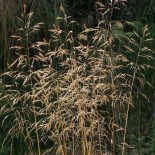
(74, 92)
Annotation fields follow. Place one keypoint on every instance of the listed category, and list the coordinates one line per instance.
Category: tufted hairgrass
(69, 92)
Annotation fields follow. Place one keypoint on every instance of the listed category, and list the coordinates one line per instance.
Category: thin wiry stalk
(139, 53)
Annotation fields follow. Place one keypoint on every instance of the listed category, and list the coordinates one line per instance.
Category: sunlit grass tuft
(73, 92)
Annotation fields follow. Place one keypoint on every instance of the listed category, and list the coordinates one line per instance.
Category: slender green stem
(130, 94)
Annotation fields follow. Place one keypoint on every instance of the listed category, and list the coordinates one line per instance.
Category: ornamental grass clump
(74, 91)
